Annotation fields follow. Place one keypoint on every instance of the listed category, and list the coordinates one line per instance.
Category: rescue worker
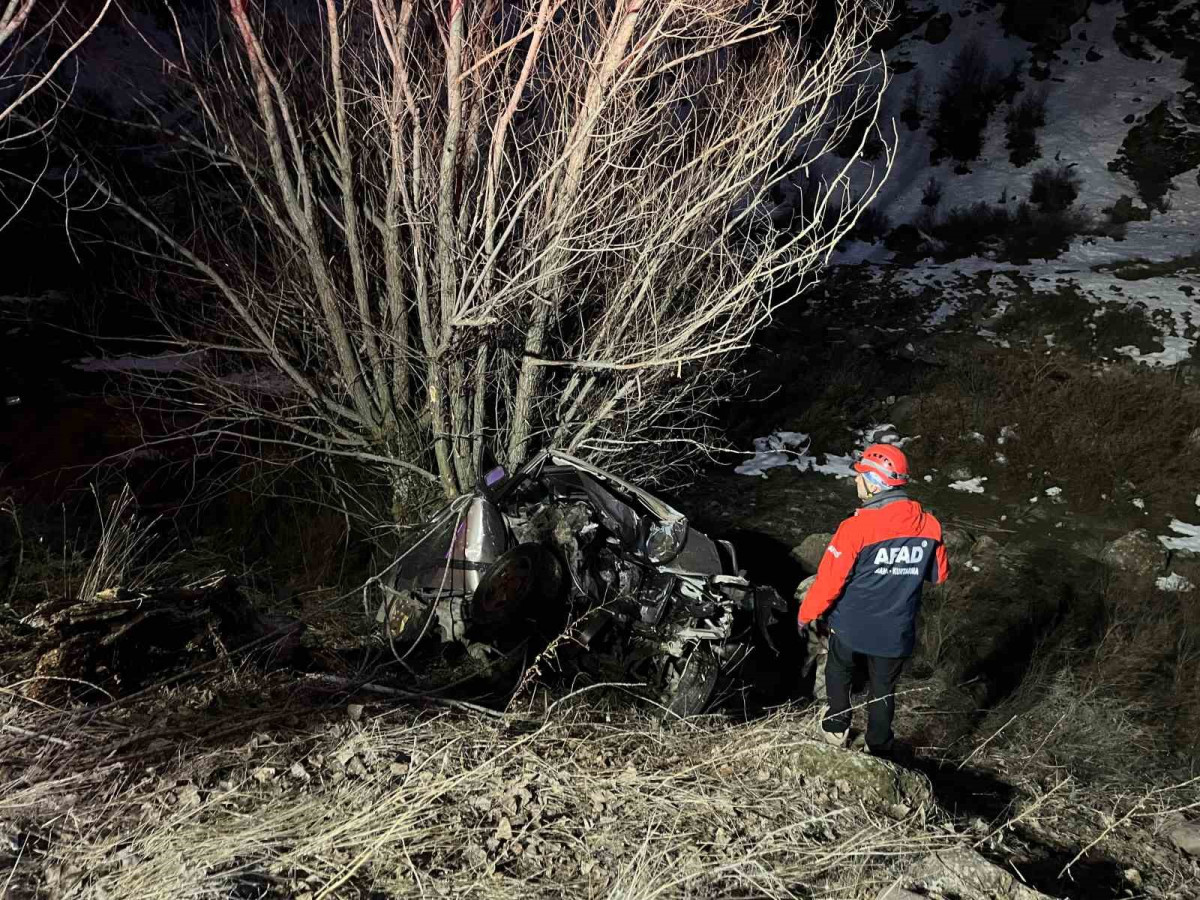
(871, 576)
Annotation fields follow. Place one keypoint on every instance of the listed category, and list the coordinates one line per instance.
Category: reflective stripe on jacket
(874, 570)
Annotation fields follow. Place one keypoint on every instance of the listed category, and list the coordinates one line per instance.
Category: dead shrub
(125, 555)
(914, 97)
(1124, 211)
(1021, 125)
(966, 99)
(967, 230)
(939, 630)
(872, 225)
(1149, 654)
(931, 194)
(1054, 188)
(1016, 235)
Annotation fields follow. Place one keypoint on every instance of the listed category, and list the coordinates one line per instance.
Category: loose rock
(1186, 837)
(1137, 553)
(810, 550)
(957, 541)
(963, 874)
(984, 554)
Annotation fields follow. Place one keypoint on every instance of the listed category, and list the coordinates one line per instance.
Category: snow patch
(837, 466)
(969, 485)
(940, 315)
(1174, 582)
(793, 448)
(263, 381)
(776, 450)
(1186, 537)
(1175, 351)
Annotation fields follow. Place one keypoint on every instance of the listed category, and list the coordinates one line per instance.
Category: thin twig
(970, 756)
(25, 732)
(352, 685)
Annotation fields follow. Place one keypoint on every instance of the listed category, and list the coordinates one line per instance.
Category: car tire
(517, 587)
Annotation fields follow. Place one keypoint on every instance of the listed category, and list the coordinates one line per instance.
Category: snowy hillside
(1115, 102)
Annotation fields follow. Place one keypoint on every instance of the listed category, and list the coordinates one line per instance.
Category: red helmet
(885, 462)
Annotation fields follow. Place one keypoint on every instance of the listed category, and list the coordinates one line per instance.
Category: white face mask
(864, 492)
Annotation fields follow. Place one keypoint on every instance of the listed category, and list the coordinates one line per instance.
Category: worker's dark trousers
(884, 672)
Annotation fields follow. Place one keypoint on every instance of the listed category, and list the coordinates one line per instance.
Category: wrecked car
(564, 547)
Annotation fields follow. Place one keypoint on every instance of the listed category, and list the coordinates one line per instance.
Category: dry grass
(125, 555)
(1123, 703)
(1097, 783)
(1094, 432)
(405, 803)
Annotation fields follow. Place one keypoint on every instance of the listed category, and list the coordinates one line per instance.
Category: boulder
(984, 553)
(957, 541)
(864, 778)
(961, 874)
(1186, 837)
(1137, 553)
(904, 409)
(810, 550)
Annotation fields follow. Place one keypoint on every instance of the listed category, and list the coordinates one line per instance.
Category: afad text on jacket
(872, 574)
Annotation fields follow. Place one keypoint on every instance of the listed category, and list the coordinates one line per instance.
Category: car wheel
(517, 587)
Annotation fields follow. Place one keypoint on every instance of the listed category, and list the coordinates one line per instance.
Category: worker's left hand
(802, 628)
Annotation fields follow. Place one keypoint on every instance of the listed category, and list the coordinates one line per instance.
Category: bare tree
(36, 39)
(442, 233)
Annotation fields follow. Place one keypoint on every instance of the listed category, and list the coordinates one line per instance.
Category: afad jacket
(872, 574)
